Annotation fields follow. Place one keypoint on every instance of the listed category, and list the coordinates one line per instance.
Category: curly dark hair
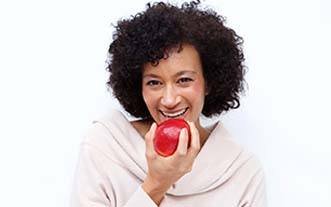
(147, 36)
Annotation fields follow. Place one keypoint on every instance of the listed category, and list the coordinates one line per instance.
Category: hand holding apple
(165, 171)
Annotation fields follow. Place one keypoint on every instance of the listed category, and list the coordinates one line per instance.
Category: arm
(165, 171)
(96, 173)
(89, 188)
(256, 192)
(92, 189)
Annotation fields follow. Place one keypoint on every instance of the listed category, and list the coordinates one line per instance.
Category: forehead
(186, 60)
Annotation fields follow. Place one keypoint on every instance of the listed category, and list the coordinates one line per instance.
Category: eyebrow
(177, 74)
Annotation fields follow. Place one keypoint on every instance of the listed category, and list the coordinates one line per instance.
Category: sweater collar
(212, 167)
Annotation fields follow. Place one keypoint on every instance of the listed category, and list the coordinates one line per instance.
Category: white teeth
(170, 115)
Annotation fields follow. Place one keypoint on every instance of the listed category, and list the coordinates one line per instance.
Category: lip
(181, 116)
(171, 112)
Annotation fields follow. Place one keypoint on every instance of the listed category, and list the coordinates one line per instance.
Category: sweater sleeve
(140, 198)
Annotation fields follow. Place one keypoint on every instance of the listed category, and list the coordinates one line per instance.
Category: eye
(153, 83)
(185, 80)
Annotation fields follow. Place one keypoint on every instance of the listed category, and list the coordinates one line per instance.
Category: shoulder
(249, 168)
(104, 127)
(245, 160)
(253, 163)
(141, 126)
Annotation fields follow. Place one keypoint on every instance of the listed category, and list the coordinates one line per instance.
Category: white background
(52, 84)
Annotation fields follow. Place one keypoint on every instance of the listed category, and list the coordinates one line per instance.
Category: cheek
(145, 96)
(148, 98)
(198, 95)
(198, 88)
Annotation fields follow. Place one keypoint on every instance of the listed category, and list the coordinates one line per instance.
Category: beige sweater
(112, 167)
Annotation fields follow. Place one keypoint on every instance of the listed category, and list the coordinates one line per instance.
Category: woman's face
(175, 88)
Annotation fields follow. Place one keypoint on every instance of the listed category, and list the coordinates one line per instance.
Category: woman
(169, 62)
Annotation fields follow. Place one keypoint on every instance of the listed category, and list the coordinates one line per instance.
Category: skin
(175, 84)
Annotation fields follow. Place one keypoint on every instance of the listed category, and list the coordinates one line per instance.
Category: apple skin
(167, 136)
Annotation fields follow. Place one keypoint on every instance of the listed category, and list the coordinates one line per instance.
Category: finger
(195, 140)
(182, 143)
(149, 141)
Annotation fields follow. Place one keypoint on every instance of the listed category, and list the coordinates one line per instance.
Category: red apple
(167, 136)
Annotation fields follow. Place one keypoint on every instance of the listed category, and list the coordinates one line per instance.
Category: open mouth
(174, 115)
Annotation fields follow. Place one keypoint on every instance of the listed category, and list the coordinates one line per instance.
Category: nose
(170, 98)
